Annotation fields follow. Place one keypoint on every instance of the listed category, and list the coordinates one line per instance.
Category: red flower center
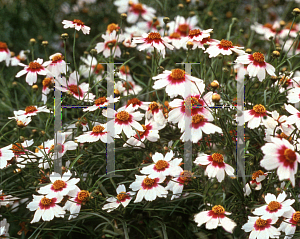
(149, 182)
(78, 22)
(290, 155)
(3, 46)
(100, 100)
(260, 109)
(57, 57)
(177, 74)
(122, 196)
(46, 201)
(124, 69)
(98, 129)
(175, 35)
(58, 184)
(123, 115)
(183, 29)
(259, 57)
(75, 90)
(133, 101)
(194, 32)
(218, 209)
(138, 8)
(274, 206)
(260, 222)
(161, 165)
(30, 109)
(142, 132)
(296, 216)
(218, 158)
(83, 195)
(153, 106)
(111, 27)
(257, 174)
(197, 119)
(47, 82)
(154, 36)
(17, 148)
(35, 66)
(226, 43)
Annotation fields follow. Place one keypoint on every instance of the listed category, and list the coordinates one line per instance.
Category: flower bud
(248, 50)
(35, 87)
(64, 36)
(167, 27)
(166, 20)
(282, 23)
(124, 16)
(93, 52)
(45, 43)
(275, 54)
(215, 84)
(188, 1)
(192, 13)
(180, 6)
(215, 19)
(154, 19)
(296, 11)
(205, 45)
(12, 54)
(189, 45)
(32, 41)
(274, 78)
(216, 97)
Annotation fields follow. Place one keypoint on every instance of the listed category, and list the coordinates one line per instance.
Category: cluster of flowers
(280, 151)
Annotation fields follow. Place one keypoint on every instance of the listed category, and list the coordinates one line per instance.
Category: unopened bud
(93, 52)
(216, 97)
(205, 45)
(282, 23)
(248, 50)
(154, 19)
(32, 41)
(45, 43)
(64, 36)
(42, 133)
(12, 54)
(192, 13)
(35, 87)
(215, 19)
(180, 6)
(124, 16)
(215, 84)
(296, 11)
(278, 48)
(166, 20)
(274, 78)
(189, 45)
(275, 53)
(188, 1)
(167, 27)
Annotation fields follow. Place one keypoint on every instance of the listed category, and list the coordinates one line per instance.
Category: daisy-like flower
(163, 165)
(288, 81)
(175, 81)
(176, 184)
(137, 104)
(223, 47)
(289, 47)
(182, 25)
(288, 226)
(255, 116)
(131, 88)
(153, 40)
(124, 73)
(99, 132)
(112, 27)
(295, 117)
(45, 208)
(34, 68)
(257, 65)
(91, 67)
(101, 102)
(78, 198)
(175, 39)
(56, 65)
(155, 112)
(200, 123)
(5, 155)
(151, 26)
(280, 121)
(257, 177)
(119, 88)
(241, 71)
(15, 60)
(124, 120)
(48, 83)
(6, 200)
(214, 218)
(113, 39)
(150, 133)
(31, 111)
(4, 228)
(275, 208)
(260, 229)
(195, 35)
(77, 24)
(293, 95)
(135, 9)
(60, 185)
(177, 114)
(122, 197)
(80, 92)
(148, 187)
(216, 167)
(281, 154)
(4, 53)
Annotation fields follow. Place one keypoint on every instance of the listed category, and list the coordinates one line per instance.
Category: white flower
(255, 116)
(275, 208)
(4, 228)
(155, 112)
(122, 197)
(182, 25)
(56, 65)
(45, 208)
(78, 198)
(290, 223)
(223, 47)
(257, 65)
(214, 218)
(153, 40)
(99, 132)
(293, 95)
(101, 102)
(196, 37)
(148, 187)
(32, 70)
(14, 61)
(216, 167)
(5, 155)
(4, 53)
(281, 154)
(31, 111)
(260, 229)
(60, 185)
(47, 82)
(295, 117)
(7, 200)
(77, 24)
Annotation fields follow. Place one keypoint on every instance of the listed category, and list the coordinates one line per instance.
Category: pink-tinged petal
(202, 217)
(20, 73)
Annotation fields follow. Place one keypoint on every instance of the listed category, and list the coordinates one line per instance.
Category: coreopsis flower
(101, 102)
(182, 25)
(275, 208)
(122, 197)
(200, 123)
(290, 46)
(176, 184)
(6, 200)
(112, 27)
(78, 198)
(82, 122)
(91, 67)
(22, 120)
(257, 65)
(288, 226)
(148, 187)
(99, 132)
(223, 47)
(77, 24)
(124, 73)
(281, 154)
(60, 185)
(34, 68)
(31, 111)
(80, 92)
(155, 112)
(134, 9)
(294, 118)
(269, 133)
(151, 26)
(15, 60)
(5, 155)
(131, 88)
(47, 83)
(175, 82)
(177, 114)
(279, 121)
(256, 116)
(124, 120)
(150, 133)
(56, 65)
(214, 218)
(113, 39)
(293, 95)
(195, 35)
(260, 229)
(4, 53)
(119, 88)
(175, 39)
(288, 81)
(257, 178)
(45, 208)
(164, 165)
(241, 71)
(137, 104)
(216, 167)
(4, 228)
(153, 40)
